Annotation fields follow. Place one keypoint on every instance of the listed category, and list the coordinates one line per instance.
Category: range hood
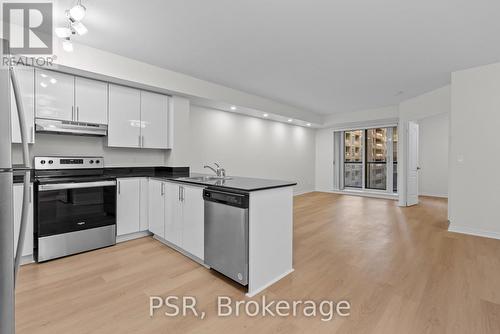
(69, 127)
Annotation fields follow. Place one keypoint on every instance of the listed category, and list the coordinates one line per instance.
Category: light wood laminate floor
(399, 267)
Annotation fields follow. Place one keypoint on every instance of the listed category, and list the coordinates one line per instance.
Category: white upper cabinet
(26, 79)
(54, 97)
(124, 129)
(154, 120)
(91, 101)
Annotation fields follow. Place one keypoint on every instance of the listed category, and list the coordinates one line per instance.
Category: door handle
(139, 140)
(142, 141)
(182, 194)
(162, 188)
(119, 188)
(32, 134)
(72, 113)
(77, 113)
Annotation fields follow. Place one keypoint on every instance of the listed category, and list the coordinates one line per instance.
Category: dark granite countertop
(181, 174)
(239, 183)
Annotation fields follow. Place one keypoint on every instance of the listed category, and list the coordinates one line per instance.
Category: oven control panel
(68, 162)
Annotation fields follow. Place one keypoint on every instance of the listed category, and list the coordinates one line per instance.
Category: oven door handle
(75, 185)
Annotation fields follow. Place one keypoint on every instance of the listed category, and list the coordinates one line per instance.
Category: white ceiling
(324, 56)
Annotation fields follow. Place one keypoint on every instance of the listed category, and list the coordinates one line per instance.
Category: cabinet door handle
(72, 113)
(77, 113)
(139, 140)
(142, 141)
(182, 194)
(162, 188)
(119, 187)
(179, 196)
(32, 134)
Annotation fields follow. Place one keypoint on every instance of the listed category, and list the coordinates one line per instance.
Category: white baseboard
(474, 231)
(265, 286)
(394, 197)
(132, 236)
(434, 195)
(26, 259)
(180, 250)
(303, 192)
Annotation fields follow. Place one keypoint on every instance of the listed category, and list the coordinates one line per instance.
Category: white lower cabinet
(156, 207)
(131, 206)
(176, 214)
(193, 220)
(173, 214)
(18, 207)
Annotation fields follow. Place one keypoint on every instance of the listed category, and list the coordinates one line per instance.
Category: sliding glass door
(376, 158)
(395, 159)
(370, 159)
(353, 159)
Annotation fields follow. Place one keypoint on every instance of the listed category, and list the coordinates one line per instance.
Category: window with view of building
(370, 159)
(376, 158)
(353, 158)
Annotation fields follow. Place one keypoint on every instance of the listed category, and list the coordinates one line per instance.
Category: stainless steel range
(75, 206)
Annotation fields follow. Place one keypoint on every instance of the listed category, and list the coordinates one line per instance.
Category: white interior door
(412, 180)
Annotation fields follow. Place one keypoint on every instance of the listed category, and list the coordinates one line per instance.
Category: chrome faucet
(219, 171)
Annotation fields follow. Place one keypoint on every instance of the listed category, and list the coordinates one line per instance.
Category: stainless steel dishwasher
(226, 233)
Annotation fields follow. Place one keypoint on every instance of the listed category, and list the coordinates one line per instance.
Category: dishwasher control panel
(227, 198)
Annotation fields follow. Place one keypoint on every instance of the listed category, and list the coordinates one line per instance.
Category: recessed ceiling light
(308, 124)
(290, 120)
(265, 115)
(233, 108)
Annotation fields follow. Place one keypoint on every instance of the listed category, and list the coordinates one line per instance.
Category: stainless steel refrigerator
(6, 215)
(8, 260)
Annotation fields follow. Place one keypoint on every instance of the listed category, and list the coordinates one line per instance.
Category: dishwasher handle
(226, 198)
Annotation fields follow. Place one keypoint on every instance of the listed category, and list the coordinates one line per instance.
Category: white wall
(52, 144)
(433, 155)
(474, 146)
(253, 147)
(430, 104)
